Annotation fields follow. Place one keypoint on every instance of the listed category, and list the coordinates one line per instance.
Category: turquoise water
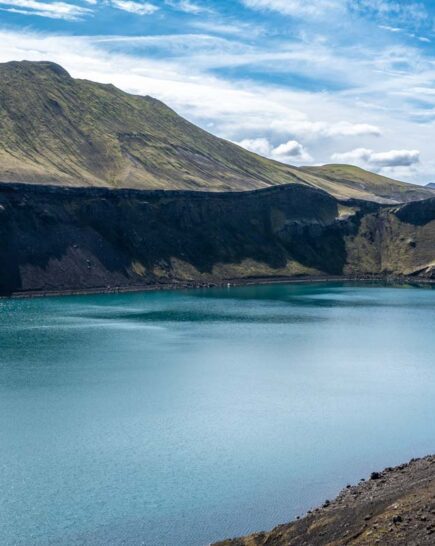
(179, 418)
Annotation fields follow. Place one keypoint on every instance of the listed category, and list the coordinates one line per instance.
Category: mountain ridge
(58, 130)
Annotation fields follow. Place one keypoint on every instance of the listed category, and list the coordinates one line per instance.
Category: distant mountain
(431, 185)
(62, 131)
(350, 179)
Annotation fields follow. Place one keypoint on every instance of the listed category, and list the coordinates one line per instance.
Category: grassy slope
(55, 129)
(353, 178)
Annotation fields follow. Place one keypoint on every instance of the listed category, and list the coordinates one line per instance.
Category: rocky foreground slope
(74, 239)
(395, 507)
(58, 130)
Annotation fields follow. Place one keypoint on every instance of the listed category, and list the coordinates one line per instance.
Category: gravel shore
(395, 507)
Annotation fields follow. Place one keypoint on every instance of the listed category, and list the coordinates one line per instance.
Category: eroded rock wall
(66, 239)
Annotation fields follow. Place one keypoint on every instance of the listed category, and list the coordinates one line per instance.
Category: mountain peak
(36, 66)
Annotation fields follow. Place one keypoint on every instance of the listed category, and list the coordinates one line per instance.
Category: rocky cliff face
(396, 241)
(60, 239)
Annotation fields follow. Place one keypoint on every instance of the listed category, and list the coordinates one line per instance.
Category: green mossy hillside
(55, 129)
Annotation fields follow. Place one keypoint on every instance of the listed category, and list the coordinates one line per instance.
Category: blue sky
(302, 82)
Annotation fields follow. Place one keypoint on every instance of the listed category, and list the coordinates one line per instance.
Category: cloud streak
(51, 10)
(188, 7)
(378, 160)
(295, 8)
(138, 8)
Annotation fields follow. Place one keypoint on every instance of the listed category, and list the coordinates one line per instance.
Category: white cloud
(287, 152)
(344, 128)
(291, 151)
(373, 110)
(187, 6)
(395, 158)
(222, 27)
(52, 10)
(390, 29)
(379, 160)
(139, 8)
(295, 8)
(259, 146)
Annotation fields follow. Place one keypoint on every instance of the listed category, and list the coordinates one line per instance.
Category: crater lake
(180, 418)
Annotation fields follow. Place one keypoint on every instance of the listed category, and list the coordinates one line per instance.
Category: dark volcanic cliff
(64, 239)
(67, 239)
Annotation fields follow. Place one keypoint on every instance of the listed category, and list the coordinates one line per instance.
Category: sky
(306, 83)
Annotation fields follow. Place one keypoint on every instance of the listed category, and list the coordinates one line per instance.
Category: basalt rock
(71, 239)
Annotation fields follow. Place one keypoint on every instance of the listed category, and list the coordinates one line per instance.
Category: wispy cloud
(238, 28)
(390, 14)
(390, 29)
(408, 13)
(132, 6)
(51, 10)
(188, 7)
(295, 8)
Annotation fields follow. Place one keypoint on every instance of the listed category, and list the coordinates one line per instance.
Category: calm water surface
(180, 418)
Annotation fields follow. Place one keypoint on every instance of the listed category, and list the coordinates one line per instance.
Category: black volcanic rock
(70, 239)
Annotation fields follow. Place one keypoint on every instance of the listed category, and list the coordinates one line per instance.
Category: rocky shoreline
(254, 281)
(395, 507)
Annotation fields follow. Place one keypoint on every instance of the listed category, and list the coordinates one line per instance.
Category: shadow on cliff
(68, 239)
